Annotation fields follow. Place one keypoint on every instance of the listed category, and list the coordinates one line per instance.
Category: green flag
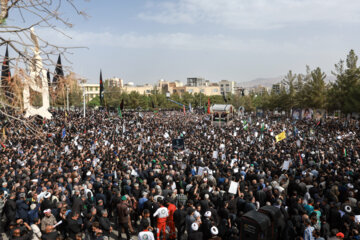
(262, 127)
(345, 153)
(119, 112)
(245, 127)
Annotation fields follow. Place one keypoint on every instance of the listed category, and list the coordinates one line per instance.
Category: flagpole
(67, 99)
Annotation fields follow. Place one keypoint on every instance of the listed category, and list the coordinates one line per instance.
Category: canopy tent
(228, 108)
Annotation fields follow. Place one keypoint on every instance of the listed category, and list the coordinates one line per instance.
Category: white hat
(47, 195)
(32, 206)
(347, 209)
(76, 168)
(47, 210)
(214, 230)
(194, 226)
(88, 173)
(207, 214)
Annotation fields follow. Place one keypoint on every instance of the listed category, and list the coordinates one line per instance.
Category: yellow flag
(280, 136)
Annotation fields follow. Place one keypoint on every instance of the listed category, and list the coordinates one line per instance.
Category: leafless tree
(17, 17)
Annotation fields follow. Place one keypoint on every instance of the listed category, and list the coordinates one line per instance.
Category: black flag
(122, 105)
(5, 73)
(152, 104)
(223, 94)
(48, 77)
(101, 90)
(59, 73)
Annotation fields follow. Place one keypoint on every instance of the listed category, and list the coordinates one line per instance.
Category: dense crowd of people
(106, 176)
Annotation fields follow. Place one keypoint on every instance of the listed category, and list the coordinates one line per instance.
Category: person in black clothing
(100, 207)
(195, 234)
(10, 208)
(97, 232)
(145, 220)
(206, 225)
(22, 233)
(46, 202)
(49, 234)
(77, 205)
(179, 220)
(73, 225)
(104, 222)
(89, 220)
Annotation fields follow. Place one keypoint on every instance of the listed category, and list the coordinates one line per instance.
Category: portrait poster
(307, 113)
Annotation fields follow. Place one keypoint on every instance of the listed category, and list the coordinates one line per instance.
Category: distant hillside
(268, 82)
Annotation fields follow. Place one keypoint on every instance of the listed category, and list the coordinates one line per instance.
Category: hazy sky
(142, 41)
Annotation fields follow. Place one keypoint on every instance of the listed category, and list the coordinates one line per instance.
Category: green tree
(344, 91)
(315, 90)
(288, 96)
(95, 102)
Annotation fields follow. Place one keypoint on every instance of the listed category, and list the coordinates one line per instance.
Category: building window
(148, 91)
(190, 91)
(221, 85)
(227, 85)
(215, 90)
(202, 90)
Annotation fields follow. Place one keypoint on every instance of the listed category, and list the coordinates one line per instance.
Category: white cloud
(253, 14)
(172, 41)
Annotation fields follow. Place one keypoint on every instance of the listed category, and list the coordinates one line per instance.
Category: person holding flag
(281, 136)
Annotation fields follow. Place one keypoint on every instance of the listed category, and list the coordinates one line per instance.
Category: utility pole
(67, 99)
(84, 95)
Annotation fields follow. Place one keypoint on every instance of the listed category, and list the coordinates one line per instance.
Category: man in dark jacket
(123, 218)
(22, 208)
(73, 225)
(104, 223)
(10, 209)
(179, 219)
(77, 204)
